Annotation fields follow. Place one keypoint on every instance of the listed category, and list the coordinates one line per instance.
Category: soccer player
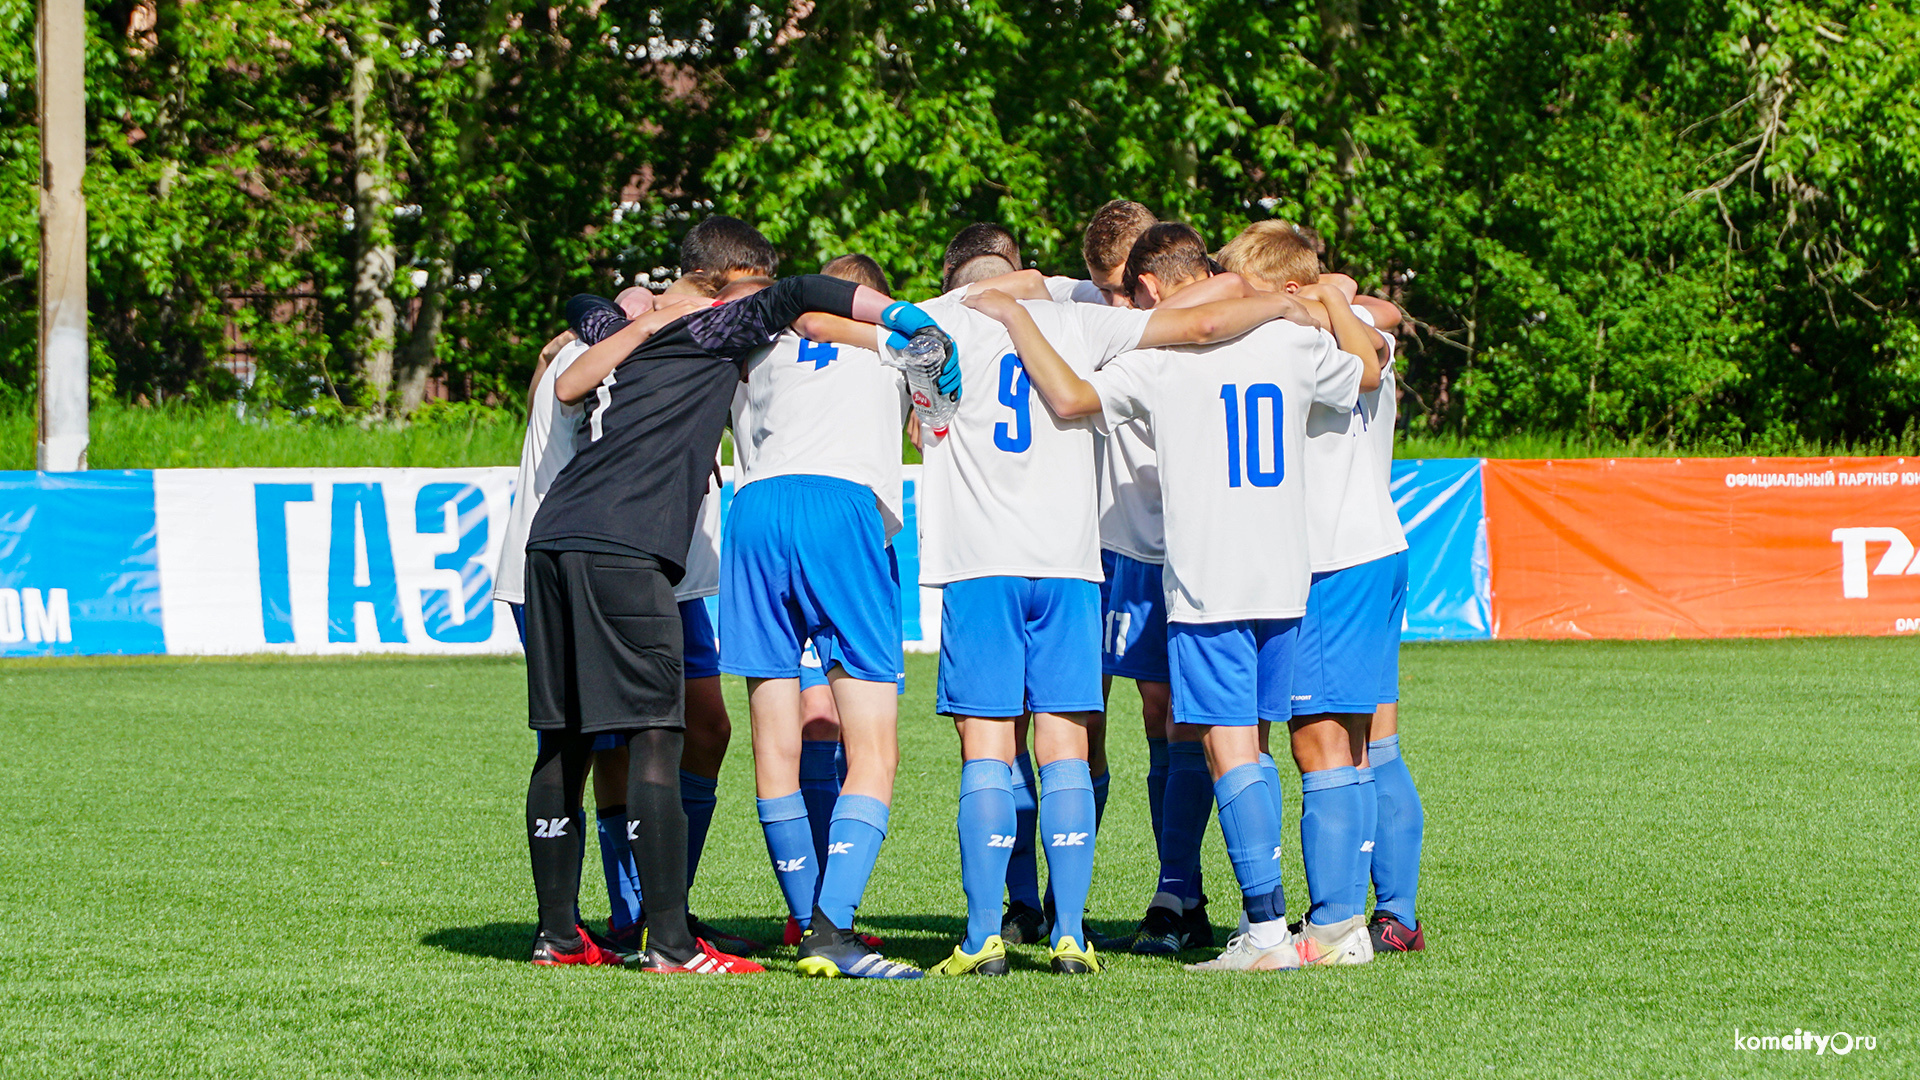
(808, 556)
(1009, 532)
(1229, 423)
(604, 639)
(727, 248)
(1348, 663)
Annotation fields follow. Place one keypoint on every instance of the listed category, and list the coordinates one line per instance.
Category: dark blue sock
(1369, 821)
(853, 846)
(1156, 782)
(1184, 814)
(1397, 833)
(985, 825)
(1252, 834)
(790, 846)
(820, 787)
(1330, 841)
(698, 800)
(1023, 870)
(840, 761)
(1069, 822)
(616, 861)
(1099, 796)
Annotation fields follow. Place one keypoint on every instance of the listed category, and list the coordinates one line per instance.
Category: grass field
(288, 868)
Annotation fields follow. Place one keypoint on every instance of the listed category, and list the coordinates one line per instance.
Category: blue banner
(79, 564)
(1449, 592)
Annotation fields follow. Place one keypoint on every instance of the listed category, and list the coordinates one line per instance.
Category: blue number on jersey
(1013, 394)
(1259, 473)
(817, 353)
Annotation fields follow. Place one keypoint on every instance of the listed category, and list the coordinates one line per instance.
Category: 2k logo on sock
(550, 828)
(996, 840)
(633, 831)
(1069, 839)
(1276, 851)
(840, 849)
(788, 866)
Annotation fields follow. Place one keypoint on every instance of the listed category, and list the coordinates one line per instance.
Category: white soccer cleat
(1344, 942)
(1241, 954)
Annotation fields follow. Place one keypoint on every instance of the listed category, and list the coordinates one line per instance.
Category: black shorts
(603, 644)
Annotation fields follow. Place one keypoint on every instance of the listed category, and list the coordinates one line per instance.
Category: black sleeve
(593, 319)
(747, 324)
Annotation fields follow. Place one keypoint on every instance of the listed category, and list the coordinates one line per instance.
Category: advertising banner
(79, 564)
(1440, 506)
(1716, 547)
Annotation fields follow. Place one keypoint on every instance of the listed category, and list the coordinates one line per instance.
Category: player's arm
(1221, 320)
(547, 353)
(1066, 393)
(834, 330)
(1353, 335)
(593, 366)
(1222, 286)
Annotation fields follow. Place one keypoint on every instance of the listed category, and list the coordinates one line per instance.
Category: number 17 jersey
(1229, 427)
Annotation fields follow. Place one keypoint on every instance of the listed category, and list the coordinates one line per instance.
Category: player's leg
(1025, 920)
(1062, 628)
(1224, 676)
(624, 923)
(709, 730)
(821, 755)
(1401, 823)
(774, 706)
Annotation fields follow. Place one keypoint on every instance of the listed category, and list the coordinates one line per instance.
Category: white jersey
(1230, 427)
(1009, 490)
(822, 410)
(1075, 290)
(1350, 514)
(702, 578)
(548, 447)
(1130, 511)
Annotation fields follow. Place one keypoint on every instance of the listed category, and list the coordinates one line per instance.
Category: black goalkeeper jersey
(645, 448)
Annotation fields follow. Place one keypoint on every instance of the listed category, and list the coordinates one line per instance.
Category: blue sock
(698, 800)
(1253, 837)
(840, 761)
(1330, 841)
(1069, 821)
(1100, 784)
(1397, 833)
(985, 824)
(1156, 782)
(616, 860)
(1271, 773)
(853, 846)
(790, 846)
(820, 787)
(1369, 821)
(1023, 870)
(1184, 814)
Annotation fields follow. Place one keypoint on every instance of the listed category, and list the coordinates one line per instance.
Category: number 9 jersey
(1229, 426)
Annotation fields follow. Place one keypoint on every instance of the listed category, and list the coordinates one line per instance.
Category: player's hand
(992, 303)
(948, 380)
(905, 319)
(1348, 287)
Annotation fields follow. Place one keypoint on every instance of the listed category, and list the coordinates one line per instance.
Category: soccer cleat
(551, 952)
(828, 952)
(1024, 924)
(707, 961)
(1241, 954)
(1070, 959)
(1390, 935)
(1344, 942)
(626, 947)
(1196, 928)
(990, 960)
(1161, 933)
(730, 943)
(792, 935)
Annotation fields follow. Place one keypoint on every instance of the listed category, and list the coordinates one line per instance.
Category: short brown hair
(1169, 251)
(861, 270)
(980, 240)
(695, 283)
(1111, 233)
(1274, 251)
(727, 247)
(743, 286)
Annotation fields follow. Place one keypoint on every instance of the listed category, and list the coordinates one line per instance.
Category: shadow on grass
(494, 941)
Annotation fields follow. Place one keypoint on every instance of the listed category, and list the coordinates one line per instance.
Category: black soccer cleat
(1195, 928)
(1390, 935)
(628, 950)
(552, 951)
(1024, 924)
(722, 940)
(828, 952)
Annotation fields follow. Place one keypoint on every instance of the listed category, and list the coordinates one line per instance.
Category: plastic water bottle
(922, 361)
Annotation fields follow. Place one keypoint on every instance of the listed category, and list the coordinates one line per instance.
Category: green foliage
(1672, 224)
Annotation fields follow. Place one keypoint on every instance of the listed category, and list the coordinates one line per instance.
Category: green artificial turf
(289, 868)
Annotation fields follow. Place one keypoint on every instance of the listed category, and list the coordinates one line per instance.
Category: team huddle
(1175, 471)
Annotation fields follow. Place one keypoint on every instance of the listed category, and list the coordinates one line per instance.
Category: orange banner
(1714, 547)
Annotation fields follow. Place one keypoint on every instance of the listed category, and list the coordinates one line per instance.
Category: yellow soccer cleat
(1070, 959)
(990, 960)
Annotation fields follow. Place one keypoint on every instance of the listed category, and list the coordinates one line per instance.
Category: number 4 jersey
(1229, 425)
(1010, 490)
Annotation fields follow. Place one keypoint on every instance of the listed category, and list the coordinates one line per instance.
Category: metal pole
(62, 436)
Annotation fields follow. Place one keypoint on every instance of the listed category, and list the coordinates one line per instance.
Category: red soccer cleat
(1391, 935)
(793, 934)
(708, 961)
(550, 953)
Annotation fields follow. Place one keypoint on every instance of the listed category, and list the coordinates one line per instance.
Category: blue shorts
(1348, 638)
(1010, 645)
(1133, 639)
(806, 557)
(1397, 619)
(701, 648)
(1232, 674)
(811, 674)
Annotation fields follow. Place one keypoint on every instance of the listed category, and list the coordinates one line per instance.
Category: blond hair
(1273, 251)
